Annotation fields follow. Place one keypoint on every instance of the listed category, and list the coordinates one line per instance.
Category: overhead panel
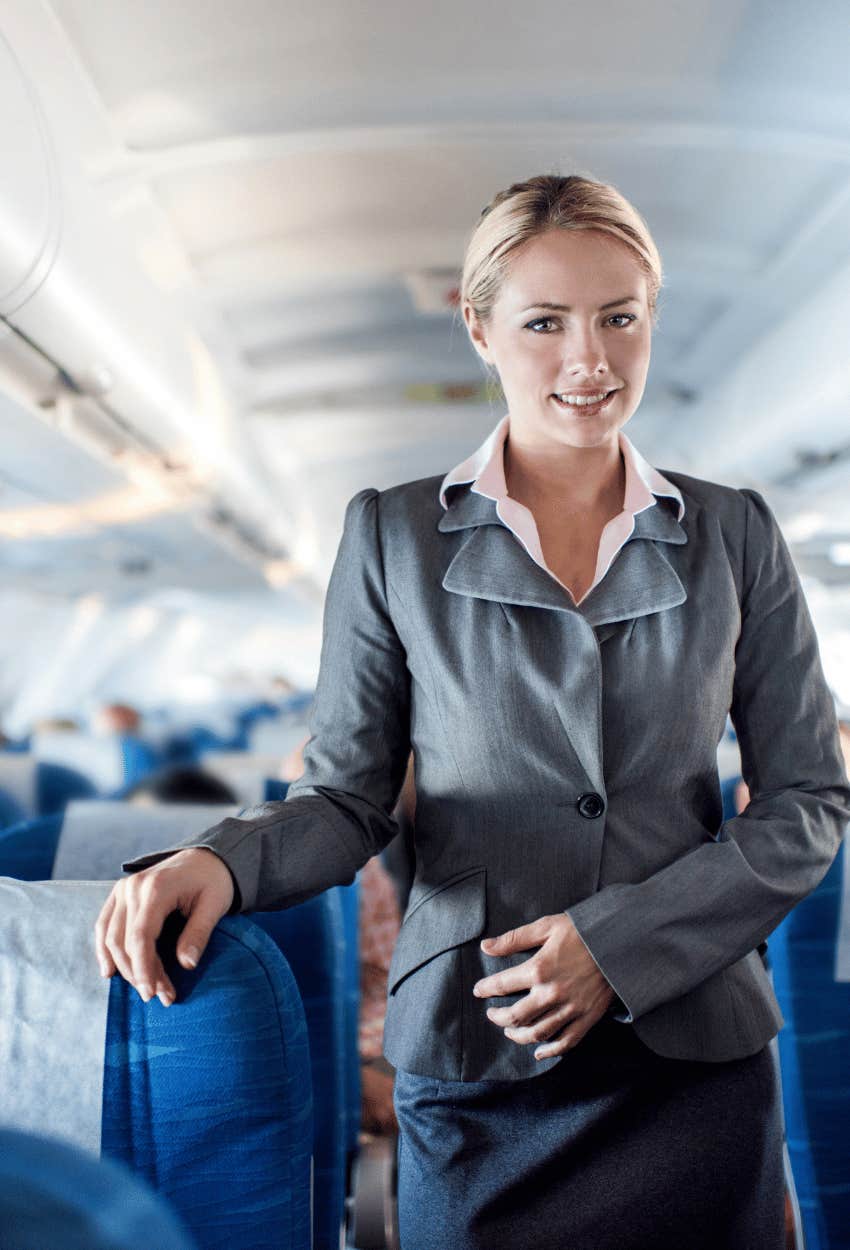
(29, 206)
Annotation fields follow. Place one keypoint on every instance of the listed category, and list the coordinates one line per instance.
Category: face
(571, 318)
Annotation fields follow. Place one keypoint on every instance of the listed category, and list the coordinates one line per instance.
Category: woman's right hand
(195, 882)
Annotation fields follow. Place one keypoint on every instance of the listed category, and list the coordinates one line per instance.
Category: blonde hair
(550, 202)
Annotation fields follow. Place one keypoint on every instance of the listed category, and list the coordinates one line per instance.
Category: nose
(584, 352)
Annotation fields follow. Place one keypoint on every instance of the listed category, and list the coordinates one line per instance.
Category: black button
(590, 805)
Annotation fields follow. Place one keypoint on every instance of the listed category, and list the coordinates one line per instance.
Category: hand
(195, 882)
(567, 992)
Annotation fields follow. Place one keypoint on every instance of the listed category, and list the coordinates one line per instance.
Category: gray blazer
(565, 760)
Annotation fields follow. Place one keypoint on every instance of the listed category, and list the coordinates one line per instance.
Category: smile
(589, 403)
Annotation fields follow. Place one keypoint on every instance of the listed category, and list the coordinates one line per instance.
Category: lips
(584, 408)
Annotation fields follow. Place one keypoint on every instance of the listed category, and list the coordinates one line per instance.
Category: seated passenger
(181, 785)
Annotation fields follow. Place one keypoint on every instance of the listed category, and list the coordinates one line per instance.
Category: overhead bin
(132, 378)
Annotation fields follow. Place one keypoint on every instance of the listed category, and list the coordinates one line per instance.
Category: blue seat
(57, 786)
(209, 1101)
(10, 811)
(31, 787)
(55, 1195)
(318, 938)
(138, 760)
(312, 938)
(350, 896)
(814, 1050)
(28, 849)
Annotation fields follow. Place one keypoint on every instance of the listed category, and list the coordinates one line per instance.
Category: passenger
(578, 1015)
(118, 718)
(180, 785)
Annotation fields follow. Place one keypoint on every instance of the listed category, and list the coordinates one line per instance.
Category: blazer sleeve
(338, 814)
(657, 939)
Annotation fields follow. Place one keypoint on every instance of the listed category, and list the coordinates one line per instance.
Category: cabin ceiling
(283, 169)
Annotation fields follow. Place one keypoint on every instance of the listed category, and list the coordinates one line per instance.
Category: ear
(477, 333)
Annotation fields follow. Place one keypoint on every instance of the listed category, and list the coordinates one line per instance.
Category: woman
(578, 1013)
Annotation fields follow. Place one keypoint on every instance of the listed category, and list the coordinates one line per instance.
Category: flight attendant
(578, 1011)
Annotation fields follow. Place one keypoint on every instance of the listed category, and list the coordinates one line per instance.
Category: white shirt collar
(485, 468)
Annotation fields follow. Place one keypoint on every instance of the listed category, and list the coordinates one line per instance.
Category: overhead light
(120, 507)
(803, 526)
(839, 553)
(279, 573)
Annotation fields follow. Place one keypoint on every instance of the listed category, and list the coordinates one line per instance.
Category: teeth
(581, 401)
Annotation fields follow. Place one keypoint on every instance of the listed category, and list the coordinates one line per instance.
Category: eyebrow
(626, 299)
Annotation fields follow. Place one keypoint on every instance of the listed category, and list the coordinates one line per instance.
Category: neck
(568, 480)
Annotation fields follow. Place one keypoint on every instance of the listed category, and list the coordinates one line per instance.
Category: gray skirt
(614, 1148)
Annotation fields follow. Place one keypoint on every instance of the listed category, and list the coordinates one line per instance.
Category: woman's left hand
(567, 992)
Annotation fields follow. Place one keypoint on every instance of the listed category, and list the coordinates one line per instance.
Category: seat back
(101, 834)
(54, 1194)
(94, 837)
(208, 1100)
(244, 771)
(312, 936)
(318, 939)
(18, 784)
(98, 758)
(814, 1050)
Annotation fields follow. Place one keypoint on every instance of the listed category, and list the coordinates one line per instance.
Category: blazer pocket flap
(452, 913)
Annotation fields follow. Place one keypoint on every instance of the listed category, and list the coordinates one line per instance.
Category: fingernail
(476, 991)
(104, 970)
(165, 998)
(145, 993)
(191, 956)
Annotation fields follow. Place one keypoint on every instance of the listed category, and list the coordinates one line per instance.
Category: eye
(627, 317)
(540, 321)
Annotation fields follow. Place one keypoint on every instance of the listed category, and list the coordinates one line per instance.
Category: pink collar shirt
(485, 469)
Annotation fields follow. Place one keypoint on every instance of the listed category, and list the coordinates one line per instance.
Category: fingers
(521, 939)
(540, 1001)
(569, 1037)
(196, 882)
(544, 1028)
(521, 977)
(193, 940)
(132, 930)
(125, 938)
(105, 961)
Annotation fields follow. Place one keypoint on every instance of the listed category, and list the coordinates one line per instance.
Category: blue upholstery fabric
(210, 1099)
(323, 959)
(10, 811)
(275, 790)
(138, 760)
(56, 786)
(727, 795)
(350, 897)
(28, 849)
(312, 938)
(56, 1197)
(814, 1049)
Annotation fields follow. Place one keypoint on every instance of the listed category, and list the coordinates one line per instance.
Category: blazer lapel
(492, 564)
(641, 580)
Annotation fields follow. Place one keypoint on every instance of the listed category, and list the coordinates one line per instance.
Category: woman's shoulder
(699, 493)
(417, 502)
